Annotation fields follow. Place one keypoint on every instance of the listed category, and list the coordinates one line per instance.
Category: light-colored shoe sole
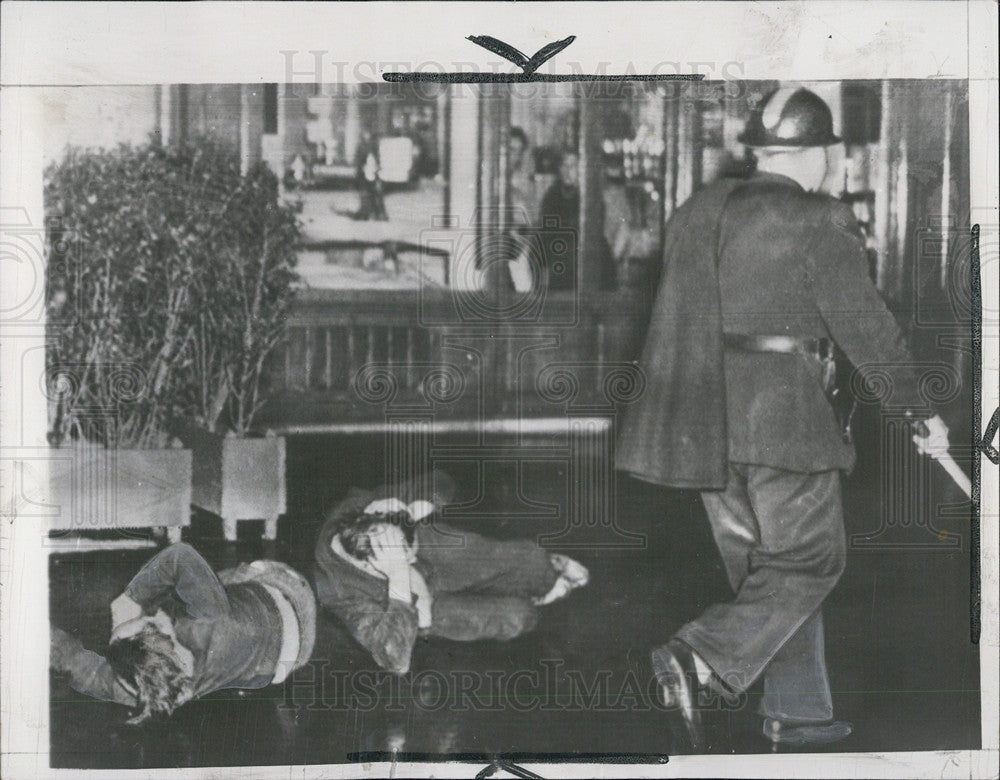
(824, 734)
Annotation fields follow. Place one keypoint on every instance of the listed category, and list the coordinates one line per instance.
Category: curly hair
(148, 662)
(354, 533)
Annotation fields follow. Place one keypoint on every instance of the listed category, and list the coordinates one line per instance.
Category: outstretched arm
(87, 672)
(853, 310)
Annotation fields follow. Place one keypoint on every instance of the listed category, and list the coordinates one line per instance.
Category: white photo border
(59, 43)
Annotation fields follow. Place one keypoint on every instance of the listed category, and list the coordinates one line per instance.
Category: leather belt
(821, 349)
(788, 345)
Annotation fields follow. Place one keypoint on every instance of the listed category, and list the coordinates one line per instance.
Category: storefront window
(365, 163)
(589, 161)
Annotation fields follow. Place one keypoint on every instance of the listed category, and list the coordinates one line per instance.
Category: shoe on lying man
(572, 575)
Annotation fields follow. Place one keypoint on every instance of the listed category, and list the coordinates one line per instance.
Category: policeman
(762, 276)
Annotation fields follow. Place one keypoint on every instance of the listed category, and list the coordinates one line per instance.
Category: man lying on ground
(390, 572)
(179, 631)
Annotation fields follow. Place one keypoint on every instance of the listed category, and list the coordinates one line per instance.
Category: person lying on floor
(390, 573)
(179, 631)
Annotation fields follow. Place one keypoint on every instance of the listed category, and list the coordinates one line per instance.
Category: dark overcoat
(758, 256)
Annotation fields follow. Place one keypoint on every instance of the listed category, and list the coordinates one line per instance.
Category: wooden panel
(408, 335)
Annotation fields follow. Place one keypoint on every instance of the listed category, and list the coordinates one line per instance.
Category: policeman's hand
(931, 437)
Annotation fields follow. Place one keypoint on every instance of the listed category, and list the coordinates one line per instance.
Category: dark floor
(901, 665)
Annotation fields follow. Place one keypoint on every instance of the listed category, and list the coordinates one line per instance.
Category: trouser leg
(796, 687)
(734, 527)
(482, 587)
(477, 564)
(466, 617)
(792, 527)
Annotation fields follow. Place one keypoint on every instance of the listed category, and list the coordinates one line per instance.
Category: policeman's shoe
(679, 688)
(792, 734)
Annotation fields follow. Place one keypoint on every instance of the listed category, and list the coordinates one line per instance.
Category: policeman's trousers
(781, 536)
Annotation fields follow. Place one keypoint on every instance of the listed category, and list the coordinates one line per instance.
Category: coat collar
(778, 178)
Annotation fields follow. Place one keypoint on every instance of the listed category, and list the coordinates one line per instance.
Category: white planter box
(237, 478)
(96, 489)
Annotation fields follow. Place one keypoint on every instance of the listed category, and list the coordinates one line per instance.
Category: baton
(955, 472)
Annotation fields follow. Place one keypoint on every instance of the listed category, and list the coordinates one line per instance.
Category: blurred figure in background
(521, 170)
(369, 182)
(559, 221)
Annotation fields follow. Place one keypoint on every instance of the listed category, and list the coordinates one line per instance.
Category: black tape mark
(986, 445)
(522, 78)
(975, 589)
(528, 66)
(508, 52)
(507, 760)
(508, 767)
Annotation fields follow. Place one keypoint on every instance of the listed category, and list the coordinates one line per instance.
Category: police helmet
(790, 116)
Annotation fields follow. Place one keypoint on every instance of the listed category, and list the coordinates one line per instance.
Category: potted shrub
(243, 296)
(119, 314)
(170, 279)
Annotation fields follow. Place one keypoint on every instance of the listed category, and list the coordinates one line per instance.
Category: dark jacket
(756, 256)
(386, 627)
(481, 588)
(234, 631)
